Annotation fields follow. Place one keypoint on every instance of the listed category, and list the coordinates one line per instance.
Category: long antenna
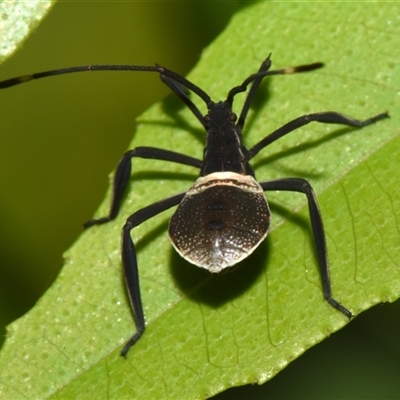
(91, 68)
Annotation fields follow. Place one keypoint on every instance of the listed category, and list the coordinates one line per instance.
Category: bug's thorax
(224, 150)
(221, 220)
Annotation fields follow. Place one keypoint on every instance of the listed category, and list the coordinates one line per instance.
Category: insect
(224, 216)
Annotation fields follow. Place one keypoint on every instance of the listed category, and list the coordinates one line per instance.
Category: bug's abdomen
(221, 220)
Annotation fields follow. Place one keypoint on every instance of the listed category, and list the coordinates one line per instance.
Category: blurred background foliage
(61, 137)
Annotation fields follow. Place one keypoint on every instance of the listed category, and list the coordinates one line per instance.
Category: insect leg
(328, 117)
(256, 80)
(179, 89)
(123, 173)
(130, 262)
(303, 186)
(254, 87)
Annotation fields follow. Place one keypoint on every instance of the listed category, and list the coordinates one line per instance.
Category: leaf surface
(18, 20)
(205, 334)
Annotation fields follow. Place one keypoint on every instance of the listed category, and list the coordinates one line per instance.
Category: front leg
(327, 117)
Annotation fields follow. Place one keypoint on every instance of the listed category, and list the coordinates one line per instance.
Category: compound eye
(233, 117)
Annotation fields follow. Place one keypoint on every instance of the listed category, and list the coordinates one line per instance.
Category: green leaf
(205, 334)
(18, 20)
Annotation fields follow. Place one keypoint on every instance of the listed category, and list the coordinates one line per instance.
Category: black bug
(224, 216)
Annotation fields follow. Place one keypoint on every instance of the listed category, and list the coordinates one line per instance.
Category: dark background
(55, 157)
